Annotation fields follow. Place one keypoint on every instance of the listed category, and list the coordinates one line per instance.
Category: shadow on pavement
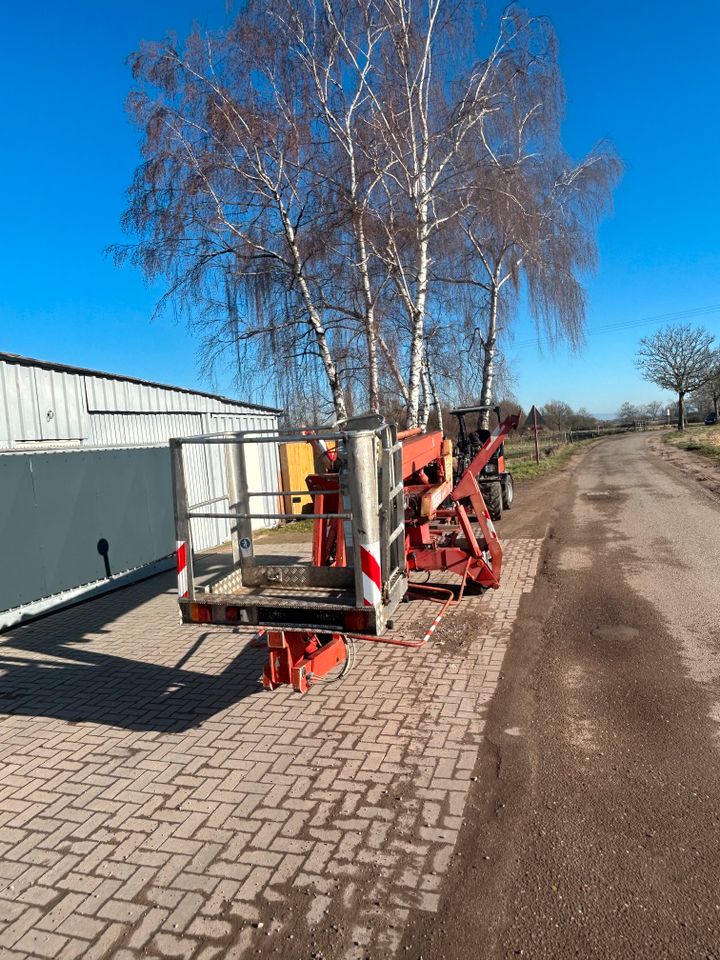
(63, 677)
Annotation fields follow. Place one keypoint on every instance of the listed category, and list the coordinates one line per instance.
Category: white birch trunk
(417, 343)
(364, 270)
(434, 395)
(488, 374)
(424, 408)
(370, 326)
(313, 315)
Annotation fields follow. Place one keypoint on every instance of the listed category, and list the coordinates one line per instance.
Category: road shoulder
(592, 828)
(474, 909)
(702, 472)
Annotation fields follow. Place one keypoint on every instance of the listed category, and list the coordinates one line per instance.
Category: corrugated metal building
(54, 407)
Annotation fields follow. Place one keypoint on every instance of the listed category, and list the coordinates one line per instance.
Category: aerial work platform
(383, 504)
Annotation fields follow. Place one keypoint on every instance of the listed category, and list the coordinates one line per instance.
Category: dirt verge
(702, 470)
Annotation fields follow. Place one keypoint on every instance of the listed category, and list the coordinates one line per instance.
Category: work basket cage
(277, 591)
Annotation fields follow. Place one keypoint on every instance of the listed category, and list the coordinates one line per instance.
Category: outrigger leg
(300, 657)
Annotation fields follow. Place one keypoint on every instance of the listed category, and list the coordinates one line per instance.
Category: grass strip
(698, 439)
(525, 468)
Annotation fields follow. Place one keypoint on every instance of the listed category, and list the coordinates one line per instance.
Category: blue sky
(643, 74)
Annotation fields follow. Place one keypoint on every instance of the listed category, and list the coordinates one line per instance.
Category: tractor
(495, 482)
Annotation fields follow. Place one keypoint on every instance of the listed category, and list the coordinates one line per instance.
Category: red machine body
(440, 514)
(298, 657)
(444, 537)
(447, 527)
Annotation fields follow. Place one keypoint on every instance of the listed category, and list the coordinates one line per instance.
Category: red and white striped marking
(372, 573)
(321, 447)
(490, 525)
(433, 626)
(182, 568)
(326, 452)
(493, 437)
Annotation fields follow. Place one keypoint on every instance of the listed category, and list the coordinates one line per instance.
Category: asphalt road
(593, 828)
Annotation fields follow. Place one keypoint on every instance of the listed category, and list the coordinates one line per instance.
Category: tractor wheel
(507, 493)
(494, 500)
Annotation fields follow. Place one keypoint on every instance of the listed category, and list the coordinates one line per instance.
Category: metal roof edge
(84, 371)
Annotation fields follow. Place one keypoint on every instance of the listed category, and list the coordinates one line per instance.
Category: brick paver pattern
(155, 801)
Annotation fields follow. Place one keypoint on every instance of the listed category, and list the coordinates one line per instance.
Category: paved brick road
(154, 801)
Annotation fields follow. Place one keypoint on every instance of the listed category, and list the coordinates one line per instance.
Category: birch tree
(419, 128)
(531, 214)
(336, 47)
(306, 173)
(654, 410)
(398, 105)
(224, 187)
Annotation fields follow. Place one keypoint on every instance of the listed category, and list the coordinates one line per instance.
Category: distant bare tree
(654, 409)
(707, 397)
(629, 413)
(680, 358)
(584, 420)
(558, 415)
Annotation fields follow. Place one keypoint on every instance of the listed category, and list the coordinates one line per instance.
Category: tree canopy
(680, 358)
(321, 178)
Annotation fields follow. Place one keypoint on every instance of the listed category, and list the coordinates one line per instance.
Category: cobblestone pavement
(156, 802)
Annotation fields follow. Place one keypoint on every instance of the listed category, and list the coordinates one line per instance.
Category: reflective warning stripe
(493, 436)
(182, 568)
(325, 451)
(490, 525)
(372, 574)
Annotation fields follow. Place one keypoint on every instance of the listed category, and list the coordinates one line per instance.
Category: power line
(544, 339)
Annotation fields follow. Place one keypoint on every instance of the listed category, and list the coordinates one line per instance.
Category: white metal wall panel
(263, 461)
(19, 415)
(110, 395)
(58, 407)
(55, 538)
(61, 405)
(110, 429)
(105, 394)
(205, 467)
(204, 482)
